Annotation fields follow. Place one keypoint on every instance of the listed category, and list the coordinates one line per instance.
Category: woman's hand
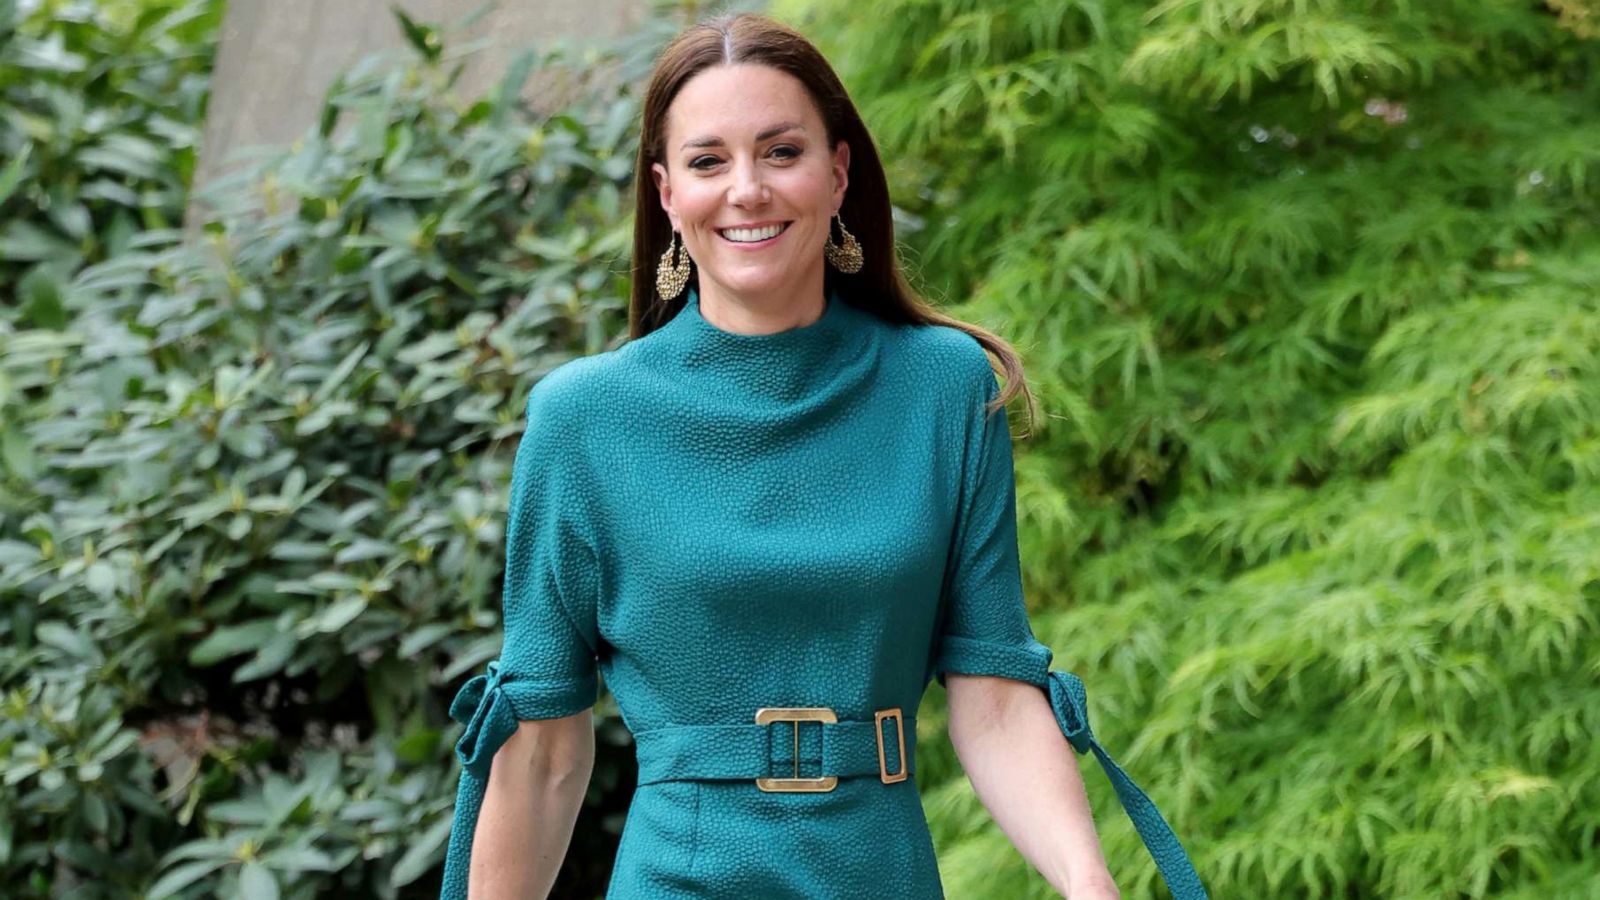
(1095, 886)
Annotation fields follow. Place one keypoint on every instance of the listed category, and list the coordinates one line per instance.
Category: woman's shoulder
(567, 397)
(948, 355)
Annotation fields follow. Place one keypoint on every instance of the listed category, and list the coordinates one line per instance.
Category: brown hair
(879, 287)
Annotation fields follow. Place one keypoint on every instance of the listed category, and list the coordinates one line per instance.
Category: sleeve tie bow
(482, 705)
(1069, 699)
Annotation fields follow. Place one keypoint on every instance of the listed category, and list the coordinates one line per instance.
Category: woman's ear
(841, 172)
(664, 191)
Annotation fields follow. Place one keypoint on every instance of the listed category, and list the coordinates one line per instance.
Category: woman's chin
(753, 279)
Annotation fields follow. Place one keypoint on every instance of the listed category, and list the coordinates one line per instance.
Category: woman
(769, 520)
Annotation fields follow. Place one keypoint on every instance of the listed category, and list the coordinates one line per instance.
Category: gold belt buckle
(797, 714)
(900, 731)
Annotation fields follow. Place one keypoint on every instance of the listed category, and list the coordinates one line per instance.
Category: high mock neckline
(801, 364)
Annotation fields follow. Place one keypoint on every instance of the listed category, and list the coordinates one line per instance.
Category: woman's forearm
(1026, 774)
(536, 787)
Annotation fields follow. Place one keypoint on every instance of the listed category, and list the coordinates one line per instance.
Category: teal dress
(820, 518)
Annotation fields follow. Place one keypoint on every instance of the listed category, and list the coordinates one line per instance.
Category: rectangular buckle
(900, 730)
(796, 714)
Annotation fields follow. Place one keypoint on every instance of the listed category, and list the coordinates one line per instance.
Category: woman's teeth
(751, 235)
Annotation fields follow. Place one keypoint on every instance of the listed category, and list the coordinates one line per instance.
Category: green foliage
(1309, 291)
(1309, 287)
(254, 483)
(100, 114)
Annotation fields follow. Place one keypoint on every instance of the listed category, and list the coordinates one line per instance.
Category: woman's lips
(755, 245)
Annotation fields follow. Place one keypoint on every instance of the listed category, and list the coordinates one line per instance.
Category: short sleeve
(548, 661)
(985, 628)
(551, 572)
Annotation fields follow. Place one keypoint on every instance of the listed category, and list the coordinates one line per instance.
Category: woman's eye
(791, 153)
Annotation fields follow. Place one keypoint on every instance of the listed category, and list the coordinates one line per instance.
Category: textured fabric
(718, 522)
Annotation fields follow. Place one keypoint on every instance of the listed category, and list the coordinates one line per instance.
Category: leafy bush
(1311, 291)
(101, 107)
(250, 536)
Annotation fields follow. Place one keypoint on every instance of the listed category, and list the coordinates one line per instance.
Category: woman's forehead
(738, 103)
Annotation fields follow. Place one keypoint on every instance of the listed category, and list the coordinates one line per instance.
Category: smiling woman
(770, 520)
(751, 186)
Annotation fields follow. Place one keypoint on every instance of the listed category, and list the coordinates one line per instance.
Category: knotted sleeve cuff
(1069, 700)
(491, 705)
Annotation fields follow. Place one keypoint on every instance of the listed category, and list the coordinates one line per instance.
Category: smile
(753, 237)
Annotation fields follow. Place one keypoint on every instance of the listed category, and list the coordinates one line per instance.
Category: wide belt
(785, 749)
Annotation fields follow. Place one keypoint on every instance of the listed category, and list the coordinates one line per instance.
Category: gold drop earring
(672, 273)
(848, 258)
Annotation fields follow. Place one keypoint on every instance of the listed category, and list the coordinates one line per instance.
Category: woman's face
(746, 147)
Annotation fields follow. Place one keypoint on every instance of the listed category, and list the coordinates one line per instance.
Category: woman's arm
(536, 787)
(1026, 774)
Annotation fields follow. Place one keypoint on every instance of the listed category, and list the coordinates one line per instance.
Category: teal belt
(491, 705)
(762, 749)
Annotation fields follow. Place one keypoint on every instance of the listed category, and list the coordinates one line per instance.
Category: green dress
(716, 523)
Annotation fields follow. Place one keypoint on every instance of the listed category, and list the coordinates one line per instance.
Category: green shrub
(101, 107)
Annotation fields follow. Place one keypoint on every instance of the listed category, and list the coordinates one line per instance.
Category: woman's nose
(748, 187)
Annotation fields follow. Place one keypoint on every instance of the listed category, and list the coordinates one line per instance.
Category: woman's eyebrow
(774, 131)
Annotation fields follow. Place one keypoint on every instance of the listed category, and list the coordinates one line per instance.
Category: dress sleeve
(547, 666)
(985, 630)
(985, 627)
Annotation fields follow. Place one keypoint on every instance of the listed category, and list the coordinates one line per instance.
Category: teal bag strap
(1069, 699)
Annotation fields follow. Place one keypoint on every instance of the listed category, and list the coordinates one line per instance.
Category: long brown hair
(879, 287)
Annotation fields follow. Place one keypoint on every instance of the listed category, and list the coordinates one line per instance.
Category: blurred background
(1309, 291)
